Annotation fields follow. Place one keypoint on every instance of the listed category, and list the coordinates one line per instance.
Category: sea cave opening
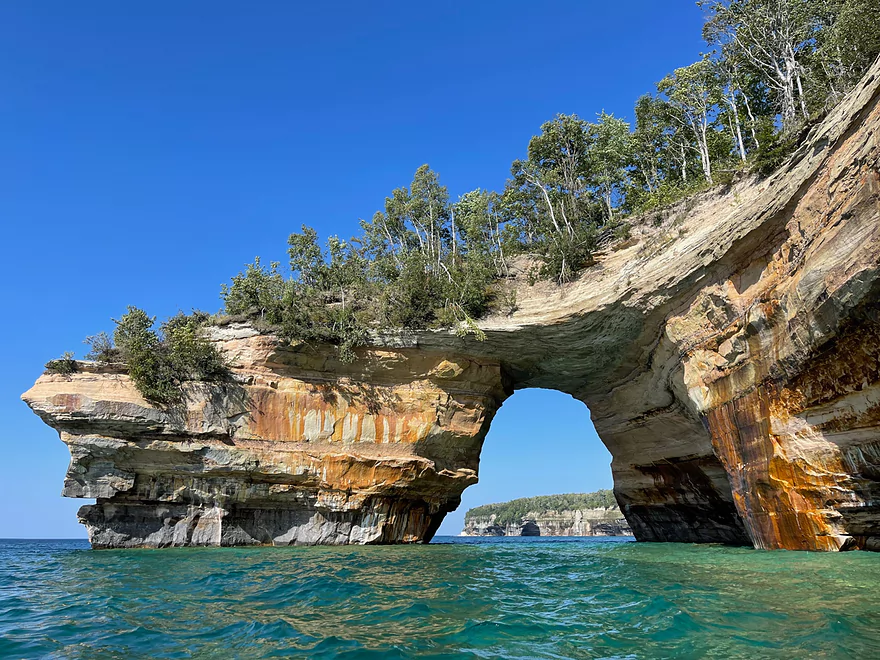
(541, 442)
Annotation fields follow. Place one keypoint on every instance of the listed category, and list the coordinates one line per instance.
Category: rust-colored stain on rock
(730, 358)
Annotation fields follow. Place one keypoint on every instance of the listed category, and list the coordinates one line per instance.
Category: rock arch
(530, 528)
(729, 354)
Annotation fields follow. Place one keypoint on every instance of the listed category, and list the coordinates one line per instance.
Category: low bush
(159, 362)
(65, 365)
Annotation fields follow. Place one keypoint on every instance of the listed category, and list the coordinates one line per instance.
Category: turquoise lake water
(486, 598)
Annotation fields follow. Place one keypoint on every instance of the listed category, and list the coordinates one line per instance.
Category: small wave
(535, 600)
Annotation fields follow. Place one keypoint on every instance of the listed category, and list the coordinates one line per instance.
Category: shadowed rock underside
(729, 354)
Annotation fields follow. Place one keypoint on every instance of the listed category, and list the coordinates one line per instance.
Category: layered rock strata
(578, 522)
(297, 449)
(728, 353)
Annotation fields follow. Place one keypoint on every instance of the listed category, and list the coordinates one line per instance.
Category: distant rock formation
(584, 522)
(530, 528)
(729, 353)
(597, 521)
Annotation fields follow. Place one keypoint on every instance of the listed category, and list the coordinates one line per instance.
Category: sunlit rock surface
(729, 354)
(569, 522)
(299, 449)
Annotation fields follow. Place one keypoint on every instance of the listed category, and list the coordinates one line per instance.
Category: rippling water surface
(490, 598)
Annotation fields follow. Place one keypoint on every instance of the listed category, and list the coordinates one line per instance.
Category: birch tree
(610, 152)
(551, 194)
(692, 92)
(481, 225)
(846, 43)
(729, 86)
(773, 36)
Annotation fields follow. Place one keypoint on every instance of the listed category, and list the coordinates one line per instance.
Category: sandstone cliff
(730, 356)
(578, 522)
(300, 448)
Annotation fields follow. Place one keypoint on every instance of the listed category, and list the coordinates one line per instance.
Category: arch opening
(541, 442)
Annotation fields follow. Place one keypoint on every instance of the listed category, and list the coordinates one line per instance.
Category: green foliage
(805, 54)
(65, 365)
(693, 93)
(101, 348)
(560, 197)
(564, 257)
(666, 194)
(424, 261)
(148, 364)
(413, 267)
(190, 355)
(505, 299)
(513, 512)
(611, 154)
(160, 362)
(847, 46)
(621, 231)
(257, 293)
(772, 153)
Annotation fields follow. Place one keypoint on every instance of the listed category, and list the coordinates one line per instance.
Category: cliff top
(514, 510)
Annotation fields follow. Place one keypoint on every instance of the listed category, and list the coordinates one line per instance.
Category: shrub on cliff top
(159, 362)
(147, 359)
(65, 365)
(336, 295)
(101, 348)
(191, 356)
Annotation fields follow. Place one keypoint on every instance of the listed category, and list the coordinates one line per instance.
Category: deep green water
(520, 598)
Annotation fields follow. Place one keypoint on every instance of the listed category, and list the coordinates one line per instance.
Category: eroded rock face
(577, 522)
(299, 449)
(730, 356)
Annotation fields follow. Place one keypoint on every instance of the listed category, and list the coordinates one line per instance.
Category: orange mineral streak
(300, 412)
(752, 313)
(791, 449)
(782, 407)
(780, 494)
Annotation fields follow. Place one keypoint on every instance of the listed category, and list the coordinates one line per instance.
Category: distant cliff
(574, 514)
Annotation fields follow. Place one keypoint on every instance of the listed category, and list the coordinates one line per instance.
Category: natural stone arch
(729, 356)
(304, 449)
(540, 443)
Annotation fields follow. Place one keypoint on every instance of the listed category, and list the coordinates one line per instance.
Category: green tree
(64, 366)
(159, 364)
(148, 363)
(846, 41)
(657, 162)
(189, 354)
(513, 512)
(693, 93)
(481, 226)
(551, 201)
(428, 213)
(306, 258)
(610, 151)
(101, 348)
(258, 293)
(773, 36)
(558, 169)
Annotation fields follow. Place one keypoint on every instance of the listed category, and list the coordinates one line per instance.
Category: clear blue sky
(150, 149)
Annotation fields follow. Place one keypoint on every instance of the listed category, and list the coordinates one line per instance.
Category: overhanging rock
(729, 354)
